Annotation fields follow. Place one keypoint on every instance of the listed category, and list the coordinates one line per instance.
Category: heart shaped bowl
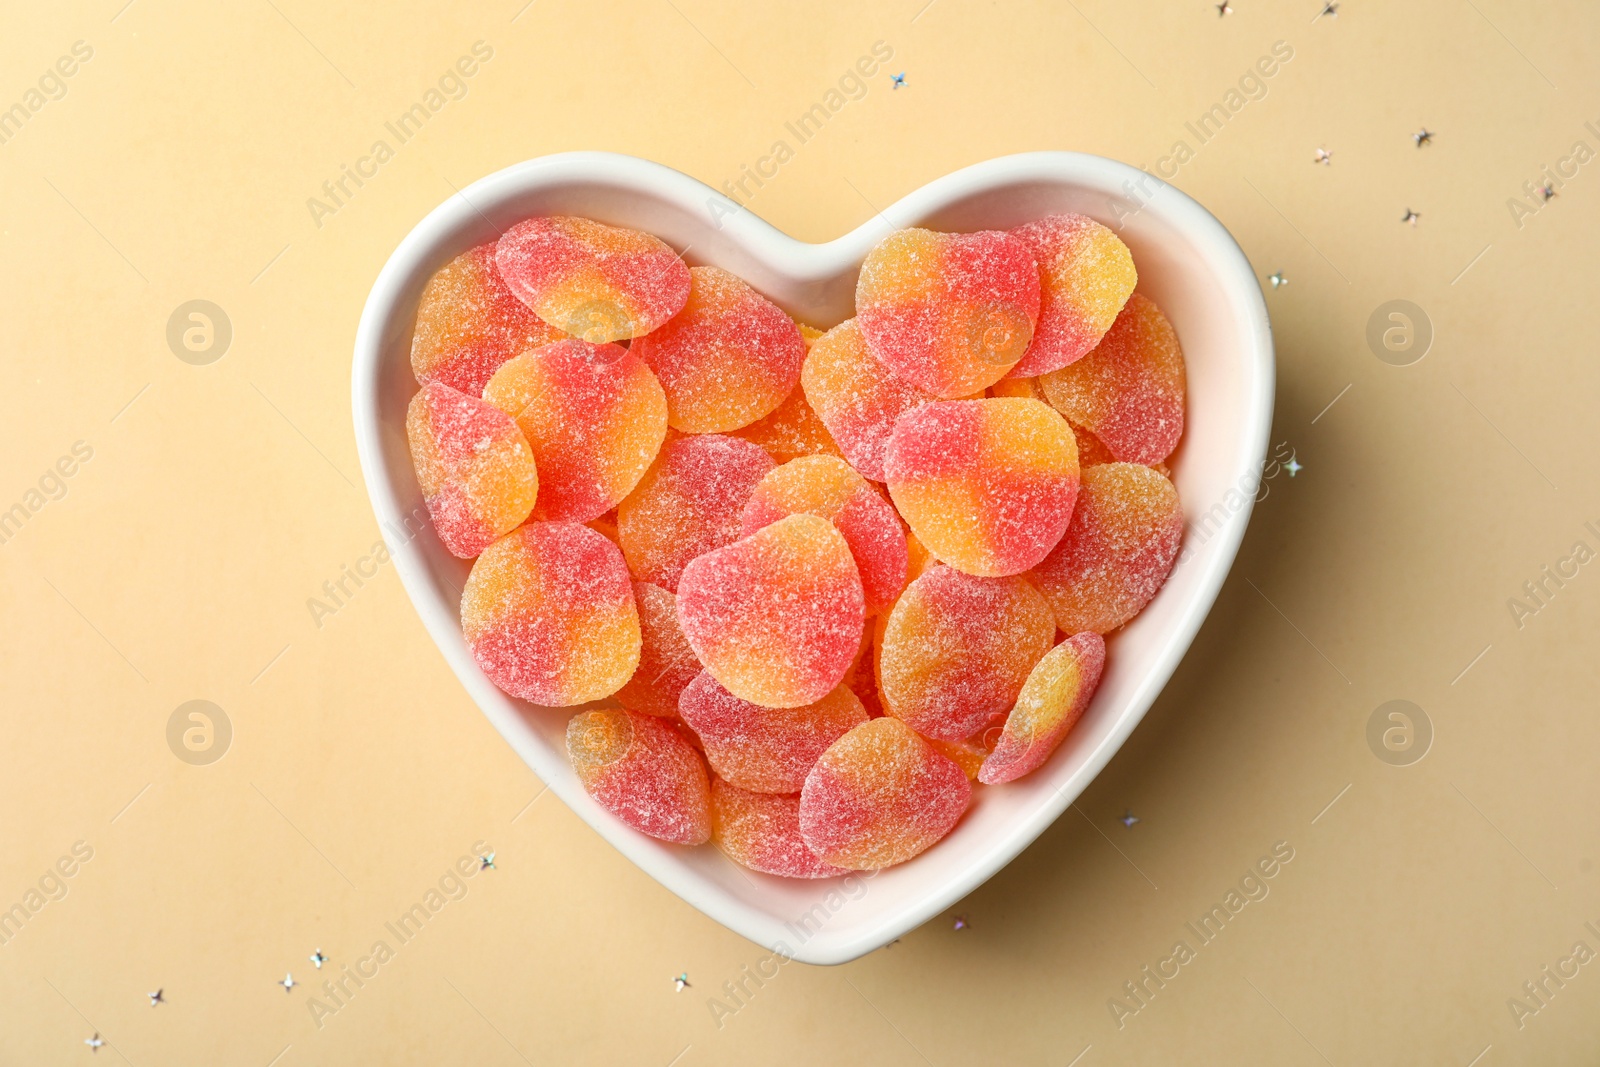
(1188, 263)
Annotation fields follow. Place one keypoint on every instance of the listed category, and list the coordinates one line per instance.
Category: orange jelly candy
(1117, 552)
(666, 662)
(595, 418)
(777, 617)
(1087, 274)
(761, 831)
(879, 796)
(766, 750)
(601, 283)
(727, 359)
(549, 615)
(476, 471)
(987, 485)
(956, 650)
(855, 397)
(1051, 702)
(642, 771)
(1129, 391)
(791, 431)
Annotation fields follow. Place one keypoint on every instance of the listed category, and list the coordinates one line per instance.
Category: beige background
(219, 498)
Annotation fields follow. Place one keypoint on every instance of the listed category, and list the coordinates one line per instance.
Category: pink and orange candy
(855, 397)
(666, 662)
(728, 358)
(601, 283)
(761, 831)
(1051, 702)
(987, 485)
(791, 431)
(1117, 552)
(1129, 391)
(690, 502)
(957, 649)
(765, 750)
(595, 418)
(950, 313)
(642, 771)
(879, 796)
(776, 617)
(477, 474)
(468, 323)
(548, 612)
(1087, 274)
(826, 487)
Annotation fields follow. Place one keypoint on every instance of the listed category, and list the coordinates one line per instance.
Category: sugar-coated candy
(791, 431)
(468, 323)
(862, 677)
(727, 359)
(1022, 388)
(1118, 550)
(949, 313)
(690, 502)
(761, 831)
(595, 417)
(549, 615)
(666, 662)
(1050, 704)
(601, 283)
(918, 558)
(642, 771)
(477, 474)
(957, 648)
(855, 397)
(1091, 452)
(825, 486)
(767, 750)
(969, 754)
(987, 485)
(879, 796)
(1129, 391)
(1087, 274)
(776, 617)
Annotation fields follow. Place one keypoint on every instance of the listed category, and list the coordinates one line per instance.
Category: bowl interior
(1187, 263)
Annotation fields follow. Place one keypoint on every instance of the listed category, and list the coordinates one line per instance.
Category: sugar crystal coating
(826, 487)
(1087, 274)
(666, 662)
(477, 474)
(767, 750)
(950, 313)
(690, 502)
(761, 831)
(642, 771)
(776, 618)
(728, 358)
(855, 397)
(791, 431)
(879, 796)
(1050, 704)
(601, 283)
(1129, 391)
(548, 613)
(595, 417)
(957, 648)
(986, 485)
(1117, 552)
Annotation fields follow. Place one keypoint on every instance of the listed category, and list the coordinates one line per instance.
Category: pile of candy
(818, 583)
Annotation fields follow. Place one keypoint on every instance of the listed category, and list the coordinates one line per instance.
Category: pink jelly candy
(768, 750)
(594, 416)
(691, 501)
(761, 831)
(1118, 550)
(642, 771)
(855, 397)
(878, 796)
(826, 487)
(1051, 702)
(468, 323)
(987, 485)
(598, 282)
(956, 650)
(949, 313)
(666, 662)
(727, 359)
(477, 474)
(549, 615)
(1087, 274)
(1129, 391)
(776, 617)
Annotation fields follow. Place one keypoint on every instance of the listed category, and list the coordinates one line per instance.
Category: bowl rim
(465, 210)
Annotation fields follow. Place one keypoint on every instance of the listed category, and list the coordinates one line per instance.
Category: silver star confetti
(898, 79)
(288, 983)
(1331, 10)
(960, 923)
(1293, 466)
(1322, 156)
(1547, 192)
(1129, 819)
(1224, 9)
(1410, 217)
(486, 863)
(156, 997)
(1277, 279)
(680, 983)
(318, 958)
(94, 1043)
(1423, 136)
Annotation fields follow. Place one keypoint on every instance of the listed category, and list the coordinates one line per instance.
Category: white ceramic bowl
(1187, 263)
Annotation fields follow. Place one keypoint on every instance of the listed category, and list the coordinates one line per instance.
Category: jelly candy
(642, 771)
(1051, 702)
(791, 431)
(1087, 274)
(477, 474)
(767, 750)
(761, 831)
(666, 662)
(855, 397)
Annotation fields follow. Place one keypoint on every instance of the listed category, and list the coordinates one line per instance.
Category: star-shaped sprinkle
(1423, 136)
(680, 983)
(157, 997)
(1129, 819)
(1547, 192)
(1322, 156)
(1224, 9)
(94, 1043)
(318, 958)
(1277, 279)
(288, 983)
(486, 863)
(898, 79)
(1410, 217)
(1293, 466)
(960, 923)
